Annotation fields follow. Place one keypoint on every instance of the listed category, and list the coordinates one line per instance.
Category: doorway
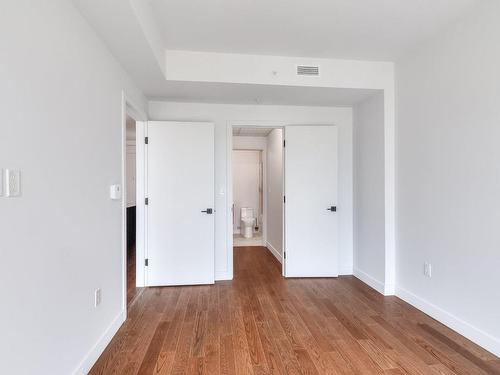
(248, 193)
(257, 189)
(300, 221)
(131, 208)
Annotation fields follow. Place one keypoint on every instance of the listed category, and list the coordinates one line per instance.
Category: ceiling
(252, 131)
(232, 93)
(138, 32)
(353, 29)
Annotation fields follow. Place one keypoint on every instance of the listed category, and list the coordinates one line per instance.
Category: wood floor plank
(181, 360)
(273, 360)
(241, 350)
(200, 327)
(485, 366)
(149, 362)
(227, 362)
(260, 323)
(212, 340)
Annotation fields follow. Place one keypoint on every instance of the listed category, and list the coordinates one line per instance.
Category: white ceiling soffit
(131, 34)
(343, 29)
(251, 131)
(230, 93)
(138, 32)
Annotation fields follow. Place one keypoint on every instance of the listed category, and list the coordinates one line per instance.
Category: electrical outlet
(97, 297)
(427, 269)
(12, 183)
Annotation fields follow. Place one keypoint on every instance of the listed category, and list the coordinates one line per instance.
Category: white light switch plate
(115, 192)
(12, 183)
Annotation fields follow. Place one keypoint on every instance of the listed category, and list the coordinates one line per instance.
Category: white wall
(130, 167)
(130, 174)
(369, 218)
(61, 102)
(276, 70)
(275, 192)
(246, 184)
(448, 189)
(281, 70)
(249, 143)
(222, 115)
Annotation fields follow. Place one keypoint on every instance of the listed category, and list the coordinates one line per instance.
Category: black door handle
(332, 208)
(208, 211)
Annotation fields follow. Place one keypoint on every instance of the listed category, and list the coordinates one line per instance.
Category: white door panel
(311, 234)
(180, 185)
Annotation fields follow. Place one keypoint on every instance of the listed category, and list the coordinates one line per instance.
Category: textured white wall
(62, 127)
(369, 218)
(448, 184)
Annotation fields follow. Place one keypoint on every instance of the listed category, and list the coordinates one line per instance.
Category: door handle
(332, 208)
(208, 211)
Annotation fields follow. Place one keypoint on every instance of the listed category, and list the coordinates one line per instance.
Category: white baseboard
(344, 271)
(378, 285)
(474, 334)
(273, 251)
(93, 355)
(223, 276)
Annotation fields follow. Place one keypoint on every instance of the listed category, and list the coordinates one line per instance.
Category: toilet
(247, 222)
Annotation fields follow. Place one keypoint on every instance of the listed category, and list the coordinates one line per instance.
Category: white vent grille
(307, 70)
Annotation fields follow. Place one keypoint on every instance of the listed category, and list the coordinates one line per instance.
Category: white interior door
(311, 239)
(180, 191)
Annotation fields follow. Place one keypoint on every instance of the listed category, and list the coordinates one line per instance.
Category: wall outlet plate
(12, 183)
(427, 269)
(97, 297)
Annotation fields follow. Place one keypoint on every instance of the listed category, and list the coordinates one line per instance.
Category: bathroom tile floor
(256, 240)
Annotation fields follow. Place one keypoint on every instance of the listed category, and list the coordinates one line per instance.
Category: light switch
(12, 183)
(115, 192)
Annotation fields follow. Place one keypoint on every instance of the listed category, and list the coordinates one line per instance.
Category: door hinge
(146, 201)
(284, 254)
(146, 262)
(284, 198)
(284, 143)
(146, 140)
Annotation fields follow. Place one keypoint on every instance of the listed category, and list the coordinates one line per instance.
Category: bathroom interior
(257, 163)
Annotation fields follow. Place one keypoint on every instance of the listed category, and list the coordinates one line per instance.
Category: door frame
(131, 108)
(229, 188)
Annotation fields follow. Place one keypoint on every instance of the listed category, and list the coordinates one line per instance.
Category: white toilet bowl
(247, 227)
(247, 222)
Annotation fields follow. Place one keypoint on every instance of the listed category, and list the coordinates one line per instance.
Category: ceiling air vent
(307, 70)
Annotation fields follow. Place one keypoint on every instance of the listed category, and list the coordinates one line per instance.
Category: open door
(311, 234)
(180, 206)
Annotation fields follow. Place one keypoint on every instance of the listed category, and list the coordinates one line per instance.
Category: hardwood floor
(132, 290)
(261, 323)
